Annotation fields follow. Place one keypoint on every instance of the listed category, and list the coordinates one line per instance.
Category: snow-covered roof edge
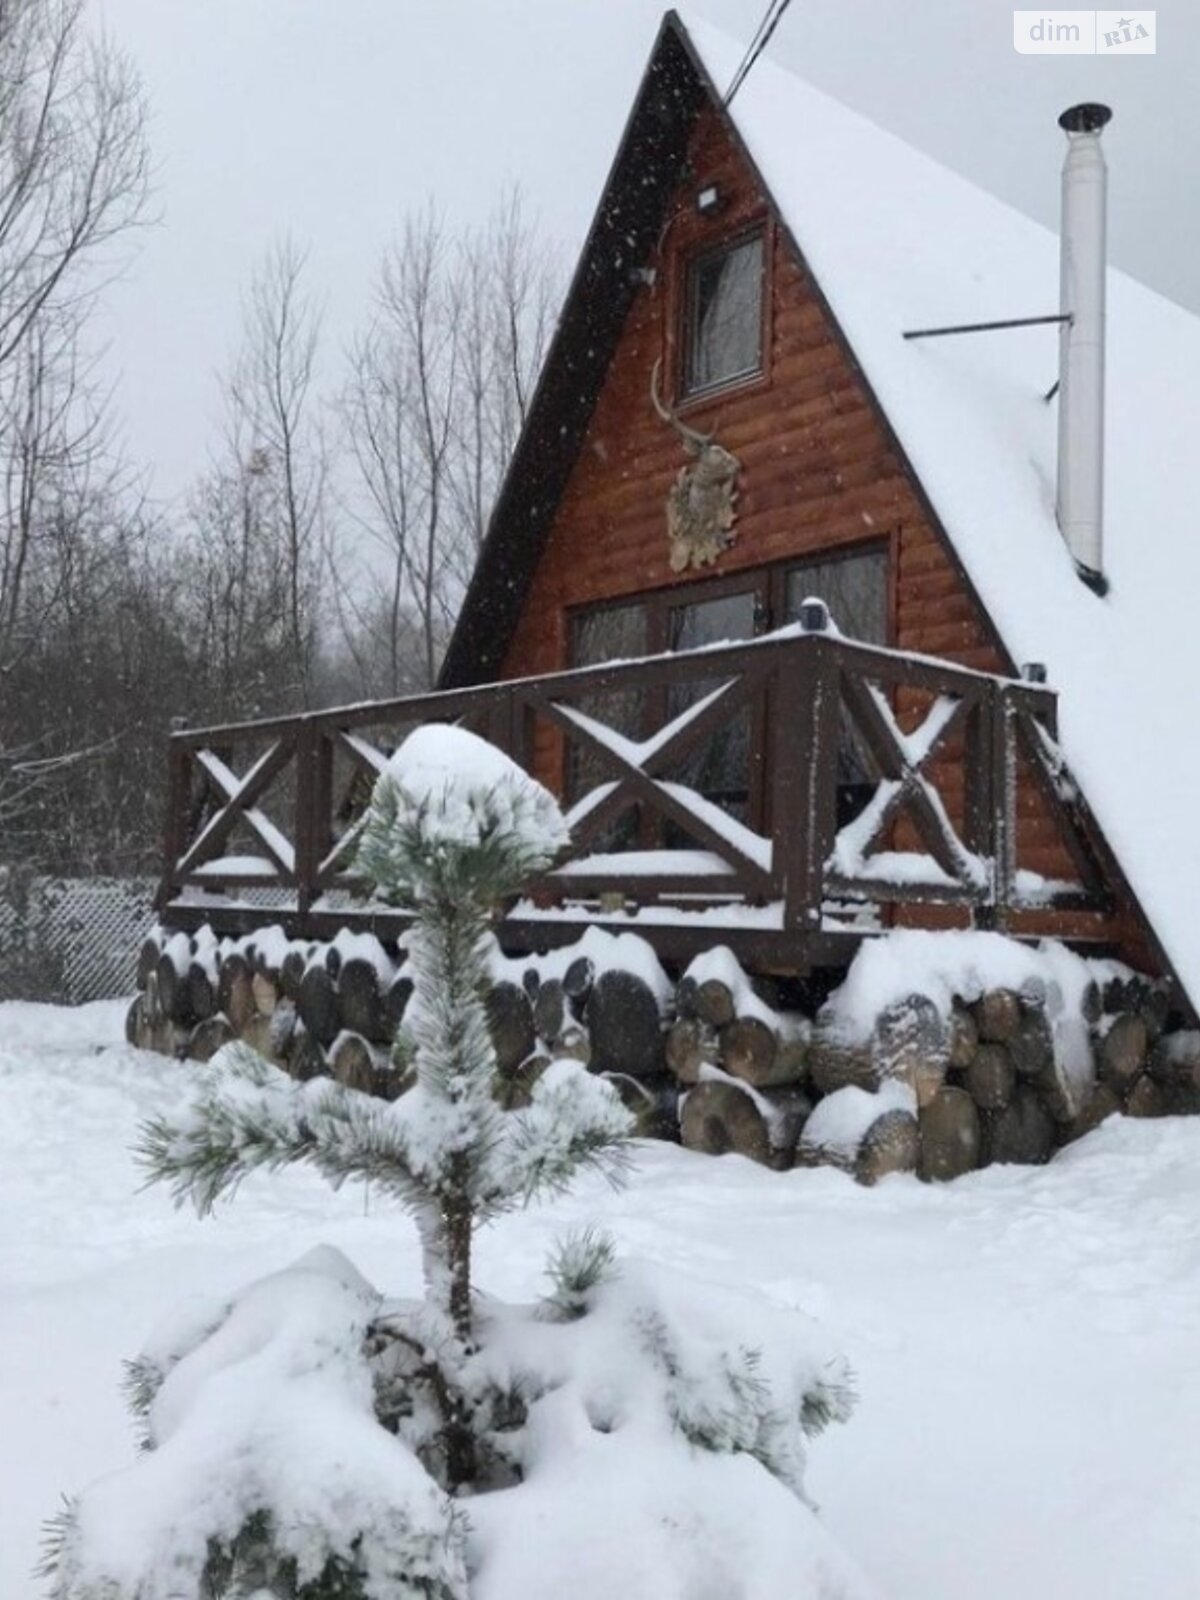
(896, 240)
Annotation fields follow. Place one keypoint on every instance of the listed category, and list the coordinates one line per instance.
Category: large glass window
(724, 308)
(607, 634)
(854, 587)
(719, 768)
(725, 768)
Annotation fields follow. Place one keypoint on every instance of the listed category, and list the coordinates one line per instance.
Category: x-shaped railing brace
(913, 794)
(636, 770)
(239, 795)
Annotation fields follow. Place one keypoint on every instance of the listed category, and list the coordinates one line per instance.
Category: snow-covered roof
(897, 241)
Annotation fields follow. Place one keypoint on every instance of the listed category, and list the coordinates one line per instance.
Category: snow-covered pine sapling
(264, 1469)
(454, 830)
(635, 1433)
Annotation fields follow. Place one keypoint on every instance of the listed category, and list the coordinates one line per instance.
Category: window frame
(883, 545)
(768, 583)
(689, 393)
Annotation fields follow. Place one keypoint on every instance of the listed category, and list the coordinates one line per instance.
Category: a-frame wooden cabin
(730, 426)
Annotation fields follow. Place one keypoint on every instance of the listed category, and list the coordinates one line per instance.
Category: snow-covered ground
(1027, 1343)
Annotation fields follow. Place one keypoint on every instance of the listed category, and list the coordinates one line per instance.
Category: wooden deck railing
(263, 816)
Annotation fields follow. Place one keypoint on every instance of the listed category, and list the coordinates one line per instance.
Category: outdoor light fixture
(1034, 672)
(708, 200)
(814, 615)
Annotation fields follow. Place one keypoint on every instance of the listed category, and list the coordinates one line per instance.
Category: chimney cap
(1088, 117)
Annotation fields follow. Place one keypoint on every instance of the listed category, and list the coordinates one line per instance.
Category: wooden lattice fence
(70, 940)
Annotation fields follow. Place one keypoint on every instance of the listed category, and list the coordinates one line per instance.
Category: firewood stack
(314, 1010)
(1007, 1077)
(1003, 1075)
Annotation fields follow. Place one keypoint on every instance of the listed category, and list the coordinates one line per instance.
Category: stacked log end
(719, 1118)
(949, 1135)
(625, 1025)
(866, 1134)
(891, 1144)
(742, 1068)
(1174, 1068)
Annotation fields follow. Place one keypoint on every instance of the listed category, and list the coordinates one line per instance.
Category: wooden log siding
(278, 810)
(820, 474)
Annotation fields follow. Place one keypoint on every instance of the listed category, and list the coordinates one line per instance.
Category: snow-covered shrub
(265, 1470)
(308, 1440)
(663, 1453)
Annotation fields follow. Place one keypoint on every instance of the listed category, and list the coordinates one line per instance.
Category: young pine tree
(307, 1439)
(454, 830)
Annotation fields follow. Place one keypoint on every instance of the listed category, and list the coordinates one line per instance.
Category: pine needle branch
(248, 1116)
(576, 1122)
(552, 1170)
(57, 1534)
(579, 1263)
(140, 1382)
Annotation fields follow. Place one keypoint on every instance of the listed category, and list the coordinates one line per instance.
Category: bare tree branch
(437, 395)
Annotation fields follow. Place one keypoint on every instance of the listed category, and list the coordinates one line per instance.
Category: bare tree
(400, 407)
(73, 182)
(506, 297)
(439, 388)
(73, 160)
(73, 179)
(282, 475)
(55, 452)
(238, 592)
(88, 700)
(377, 412)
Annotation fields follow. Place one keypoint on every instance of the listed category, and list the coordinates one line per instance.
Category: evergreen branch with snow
(58, 1532)
(830, 1398)
(578, 1264)
(142, 1379)
(439, 835)
(247, 1115)
(732, 1408)
(575, 1121)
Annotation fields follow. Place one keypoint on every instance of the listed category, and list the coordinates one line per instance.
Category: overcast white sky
(329, 119)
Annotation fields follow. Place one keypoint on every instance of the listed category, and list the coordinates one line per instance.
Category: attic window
(723, 336)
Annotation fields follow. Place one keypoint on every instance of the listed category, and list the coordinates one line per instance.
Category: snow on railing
(790, 788)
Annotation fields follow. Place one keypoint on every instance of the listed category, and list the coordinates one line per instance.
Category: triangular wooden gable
(581, 517)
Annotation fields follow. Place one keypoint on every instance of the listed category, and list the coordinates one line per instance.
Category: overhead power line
(762, 38)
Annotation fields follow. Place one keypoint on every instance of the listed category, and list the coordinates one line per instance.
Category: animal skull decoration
(701, 505)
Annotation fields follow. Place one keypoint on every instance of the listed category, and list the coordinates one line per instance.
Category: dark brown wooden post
(981, 796)
(498, 721)
(522, 723)
(1004, 788)
(322, 802)
(803, 777)
(305, 843)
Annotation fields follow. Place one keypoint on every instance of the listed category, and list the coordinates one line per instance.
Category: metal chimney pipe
(1080, 499)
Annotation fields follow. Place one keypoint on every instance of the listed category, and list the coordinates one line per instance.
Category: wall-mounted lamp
(709, 200)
